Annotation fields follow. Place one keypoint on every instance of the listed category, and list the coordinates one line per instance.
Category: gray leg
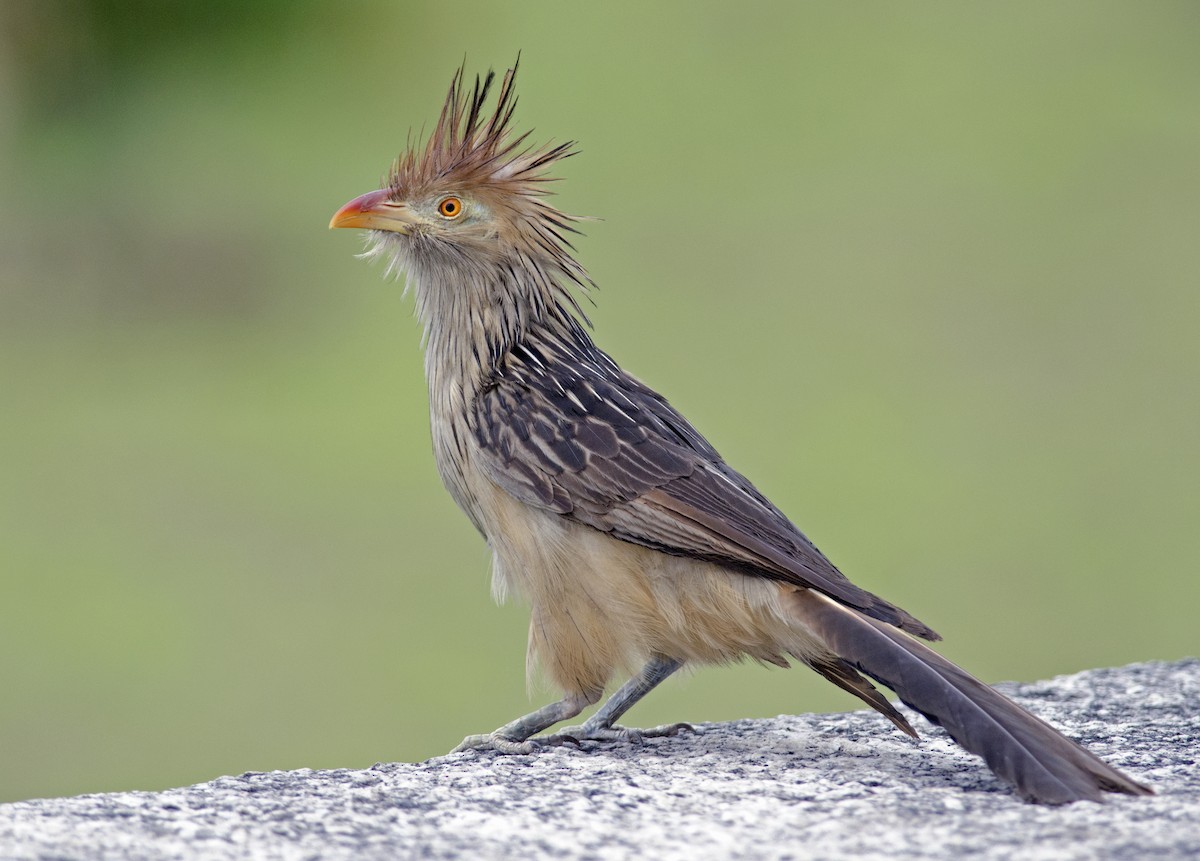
(656, 671)
(601, 726)
(514, 737)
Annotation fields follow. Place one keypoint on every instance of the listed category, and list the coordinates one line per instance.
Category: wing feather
(588, 442)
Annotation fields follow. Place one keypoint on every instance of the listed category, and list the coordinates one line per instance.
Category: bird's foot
(600, 733)
(497, 742)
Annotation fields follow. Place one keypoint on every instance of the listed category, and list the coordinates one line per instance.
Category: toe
(670, 729)
(495, 741)
(471, 742)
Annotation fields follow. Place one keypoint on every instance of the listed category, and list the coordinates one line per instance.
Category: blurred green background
(927, 273)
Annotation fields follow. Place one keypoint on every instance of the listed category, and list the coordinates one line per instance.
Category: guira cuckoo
(632, 540)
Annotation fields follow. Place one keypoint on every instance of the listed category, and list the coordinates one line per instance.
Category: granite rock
(802, 787)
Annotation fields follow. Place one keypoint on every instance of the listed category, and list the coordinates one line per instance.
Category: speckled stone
(802, 787)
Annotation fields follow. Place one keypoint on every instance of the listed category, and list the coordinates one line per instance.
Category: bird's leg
(602, 725)
(513, 737)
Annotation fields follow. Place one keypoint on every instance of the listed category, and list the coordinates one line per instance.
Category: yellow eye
(450, 207)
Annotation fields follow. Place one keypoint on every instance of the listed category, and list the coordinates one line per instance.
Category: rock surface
(810, 786)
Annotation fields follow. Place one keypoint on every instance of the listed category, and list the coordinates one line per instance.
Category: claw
(559, 739)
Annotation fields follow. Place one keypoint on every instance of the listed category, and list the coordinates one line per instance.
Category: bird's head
(472, 197)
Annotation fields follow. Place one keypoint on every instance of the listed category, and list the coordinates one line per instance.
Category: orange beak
(374, 211)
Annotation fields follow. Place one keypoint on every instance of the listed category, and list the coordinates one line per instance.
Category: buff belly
(600, 605)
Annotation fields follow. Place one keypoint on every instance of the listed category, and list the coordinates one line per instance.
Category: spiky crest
(475, 151)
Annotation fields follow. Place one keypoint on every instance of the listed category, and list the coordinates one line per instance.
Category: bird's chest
(453, 454)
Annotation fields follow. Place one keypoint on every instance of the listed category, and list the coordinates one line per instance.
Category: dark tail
(1044, 765)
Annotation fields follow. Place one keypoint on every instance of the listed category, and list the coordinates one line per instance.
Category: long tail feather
(1044, 765)
(848, 679)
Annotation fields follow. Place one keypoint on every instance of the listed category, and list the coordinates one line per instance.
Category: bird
(638, 549)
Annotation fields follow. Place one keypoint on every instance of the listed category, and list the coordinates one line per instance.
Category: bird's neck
(476, 321)
(474, 317)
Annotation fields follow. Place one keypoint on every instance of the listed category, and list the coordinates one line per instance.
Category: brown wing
(577, 436)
